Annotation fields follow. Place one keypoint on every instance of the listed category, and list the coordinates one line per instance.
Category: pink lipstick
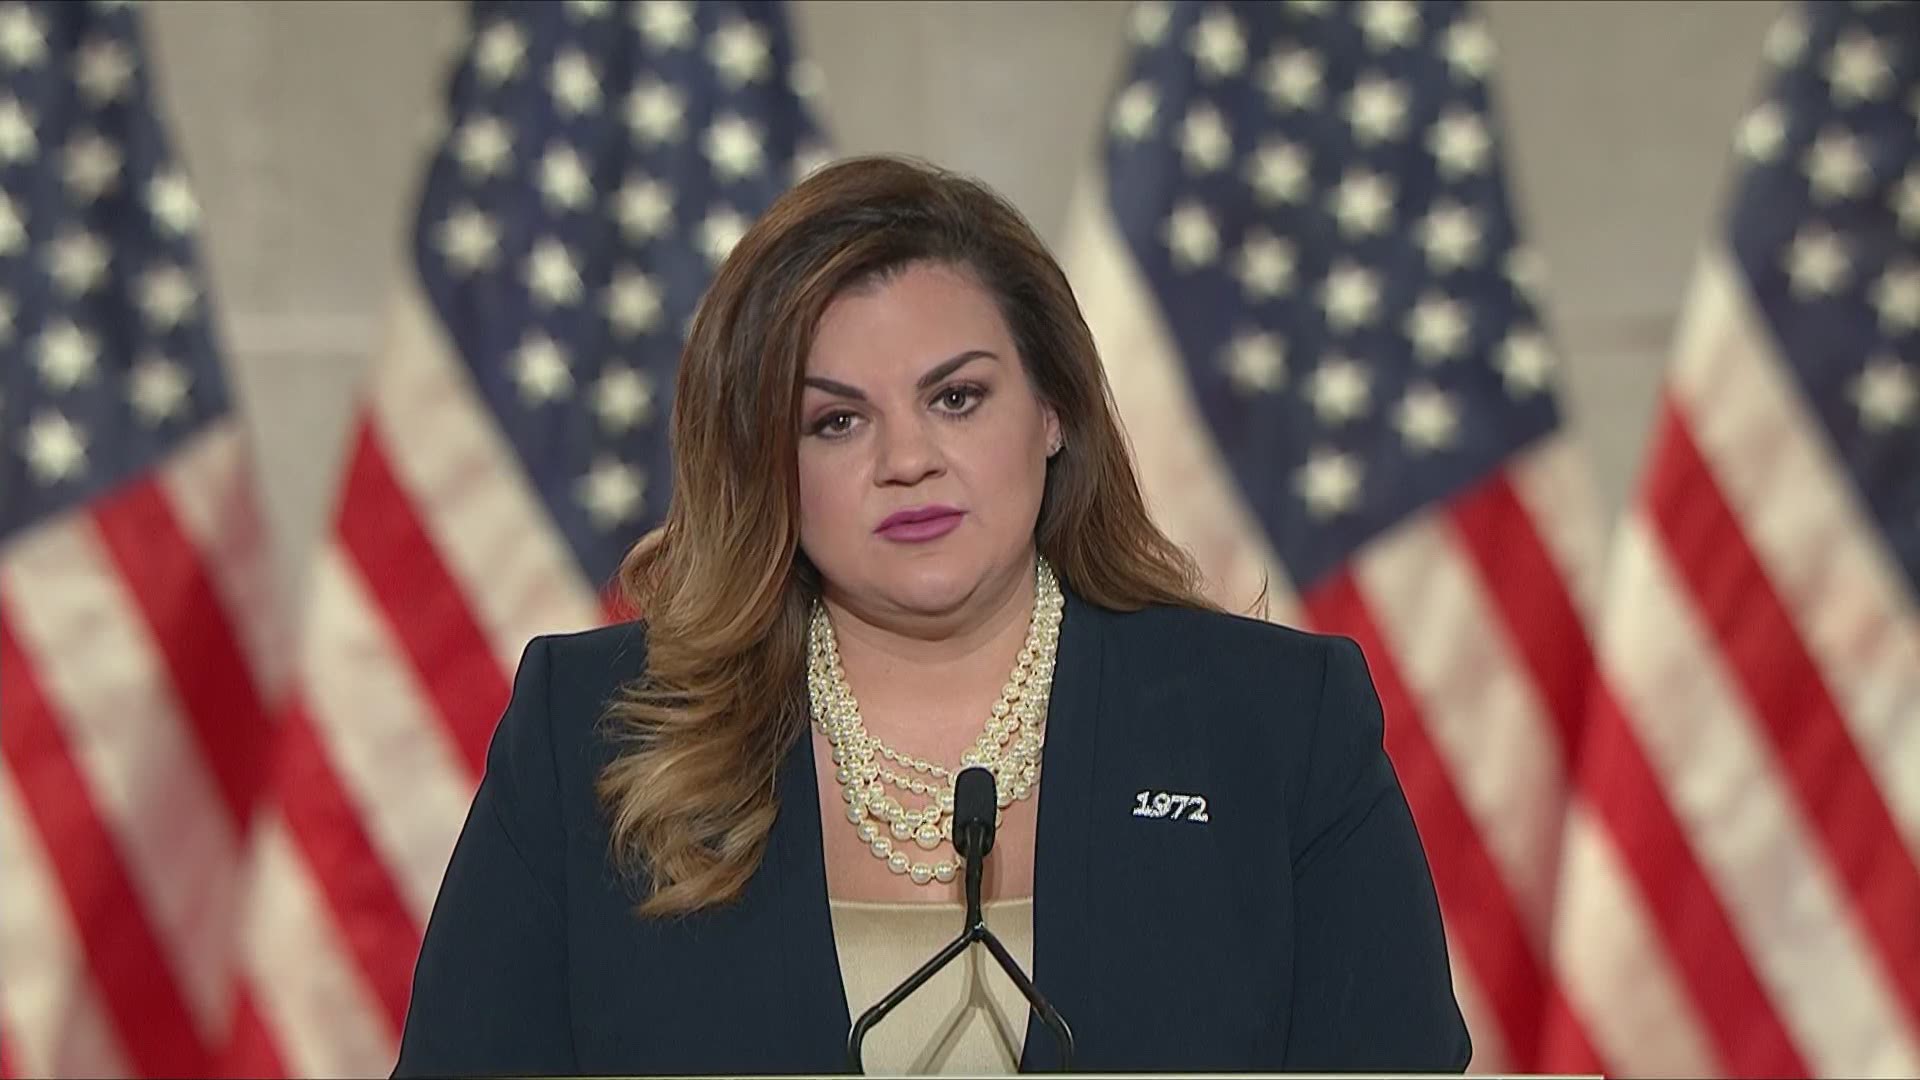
(920, 523)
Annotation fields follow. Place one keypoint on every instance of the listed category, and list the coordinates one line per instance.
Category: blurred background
(1565, 356)
(304, 125)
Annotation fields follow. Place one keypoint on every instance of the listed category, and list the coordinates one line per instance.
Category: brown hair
(723, 587)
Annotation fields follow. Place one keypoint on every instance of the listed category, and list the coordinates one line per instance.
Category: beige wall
(304, 125)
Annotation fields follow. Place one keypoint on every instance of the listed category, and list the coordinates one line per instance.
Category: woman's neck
(925, 686)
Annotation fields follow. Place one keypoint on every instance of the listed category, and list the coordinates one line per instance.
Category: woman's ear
(1055, 437)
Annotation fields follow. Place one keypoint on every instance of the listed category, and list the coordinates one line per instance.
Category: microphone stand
(977, 842)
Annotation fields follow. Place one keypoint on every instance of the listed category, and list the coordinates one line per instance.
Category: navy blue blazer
(1295, 929)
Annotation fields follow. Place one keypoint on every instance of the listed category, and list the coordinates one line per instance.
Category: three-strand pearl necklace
(865, 767)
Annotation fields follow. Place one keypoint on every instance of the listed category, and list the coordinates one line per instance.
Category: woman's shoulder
(1213, 643)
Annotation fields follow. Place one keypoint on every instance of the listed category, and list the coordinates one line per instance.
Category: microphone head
(975, 806)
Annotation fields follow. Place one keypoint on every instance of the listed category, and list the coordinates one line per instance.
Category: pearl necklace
(1010, 745)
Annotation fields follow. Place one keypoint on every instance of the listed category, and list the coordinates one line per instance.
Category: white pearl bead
(921, 873)
(944, 872)
(869, 832)
(927, 837)
(897, 862)
(882, 847)
(856, 813)
(901, 831)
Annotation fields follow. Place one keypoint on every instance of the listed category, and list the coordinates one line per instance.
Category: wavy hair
(722, 585)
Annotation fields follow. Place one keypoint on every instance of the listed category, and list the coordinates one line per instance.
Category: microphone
(975, 810)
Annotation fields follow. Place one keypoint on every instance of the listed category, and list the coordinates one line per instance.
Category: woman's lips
(920, 526)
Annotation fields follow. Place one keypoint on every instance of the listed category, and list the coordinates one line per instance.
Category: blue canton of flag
(110, 358)
(603, 160)
(1826, 224)
(1313, 192)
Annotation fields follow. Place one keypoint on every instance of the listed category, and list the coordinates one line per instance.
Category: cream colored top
(968, 1018)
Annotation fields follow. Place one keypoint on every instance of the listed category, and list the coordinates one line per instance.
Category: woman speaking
(905, 538)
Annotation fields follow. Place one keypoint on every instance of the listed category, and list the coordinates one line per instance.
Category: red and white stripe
(441, 566)
(1451, 610)
(134, 639)
(1759, 651)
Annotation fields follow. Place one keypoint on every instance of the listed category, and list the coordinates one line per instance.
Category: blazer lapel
(814, 990)
(1063, 871)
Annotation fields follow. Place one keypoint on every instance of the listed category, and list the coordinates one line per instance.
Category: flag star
(564, 180)
(1818, 263)
(103, 69)
(612, 492)
(1526, 270)
(656, 112)
(468, 240)
(1428, 419)
(1340, 390)
(1292, 79)
(574, 84)
(540, 367)
(633, 303)
(1257, 363)
(1438, 327)
(1451, 234)
(1525, 362)
(1906, 203)
(1149, 22)
(810, 158)
(1329, 482)
(92, 166)
(1897, 297)
(1763, 133)
(1390, 24)
(1363, 202)
(1134, 112)
(552, 273)
(666, 24)
(733, 144)
(1351, 295)
(54, 448)
(1469, 49)
(721, 229)
(1205, 142)
(23, 39)
(13, 230)
(1265, 267)
(1377, 110)
(167, 296)
(157, 389)
(1279, 173)
(1885, 393)
(1192, 236)
(1461, 143)
(500, 52)
(484, 145)
(1836, 169)
(17, 140)
(623, 398)
(1857, 68)
(172, 203)
(739, 52)
(68, 356)
(643, 207)
(1786, 40)
(1218, 45)
(78, 262)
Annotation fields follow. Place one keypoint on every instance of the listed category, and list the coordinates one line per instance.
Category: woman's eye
(833, 424)
(958, 398)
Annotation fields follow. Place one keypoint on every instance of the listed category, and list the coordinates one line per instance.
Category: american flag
(600, 160)
(1302, 266)
(136, 608)
(1759, 914)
